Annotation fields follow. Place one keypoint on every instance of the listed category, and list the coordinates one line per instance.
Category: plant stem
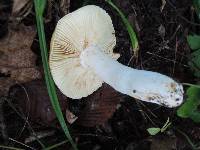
(193, 85)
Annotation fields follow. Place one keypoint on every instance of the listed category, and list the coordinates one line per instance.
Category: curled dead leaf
(34, 100)
(100, 107)
(71, 118)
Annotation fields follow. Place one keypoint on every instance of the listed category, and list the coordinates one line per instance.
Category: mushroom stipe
(82, 58)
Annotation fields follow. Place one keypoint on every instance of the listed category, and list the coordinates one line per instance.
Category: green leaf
(194, 41)
(153, 131)
(195, 63)
(195, 116)
(189, 108)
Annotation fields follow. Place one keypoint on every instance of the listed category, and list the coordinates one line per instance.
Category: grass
(10, 148)
(56, 145)
(131, 32)
(39, 9)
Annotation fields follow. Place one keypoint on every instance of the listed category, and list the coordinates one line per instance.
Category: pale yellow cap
(89, 25)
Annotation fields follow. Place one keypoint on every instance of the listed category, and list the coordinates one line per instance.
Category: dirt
(106, 119)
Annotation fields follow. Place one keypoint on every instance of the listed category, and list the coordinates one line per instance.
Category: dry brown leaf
(100, 107)
(64, 6)
(34, 100)
(21, 8)
(16, 58)
(61, 6)
(18, 37)
(71, 118)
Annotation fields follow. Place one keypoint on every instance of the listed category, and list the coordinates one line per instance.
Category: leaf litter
(99, 107)
(17, 61)
(18, 66)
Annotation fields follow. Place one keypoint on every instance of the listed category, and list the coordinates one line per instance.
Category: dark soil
(163, 48)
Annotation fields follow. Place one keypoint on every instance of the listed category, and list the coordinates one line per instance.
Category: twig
(25, 118)
(13, 140)
(167, 59)
(39, 135)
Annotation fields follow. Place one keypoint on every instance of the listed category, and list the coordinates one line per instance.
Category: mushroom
(82, 58)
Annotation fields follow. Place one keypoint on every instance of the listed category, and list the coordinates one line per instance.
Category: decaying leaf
(64, 6)
(33, 98)
(71, 118)
(16, 58)
(21, 8)
(61, 6)
(100, 106)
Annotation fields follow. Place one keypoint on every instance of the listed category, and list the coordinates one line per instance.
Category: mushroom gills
(144, 85)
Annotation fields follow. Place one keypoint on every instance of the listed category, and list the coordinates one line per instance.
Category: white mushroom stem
(143, 85)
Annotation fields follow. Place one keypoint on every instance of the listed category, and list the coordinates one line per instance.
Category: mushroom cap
(89, 25)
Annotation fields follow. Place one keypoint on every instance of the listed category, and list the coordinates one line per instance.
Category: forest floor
(105, 119)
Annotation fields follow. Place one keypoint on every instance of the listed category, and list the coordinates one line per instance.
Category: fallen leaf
(21, 8)
(100, 107)
(25, 75)
(16, 58)
(33, 99)
(71, 118)
(64, 6)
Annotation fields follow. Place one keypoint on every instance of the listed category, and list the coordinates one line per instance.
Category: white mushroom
(82, 58)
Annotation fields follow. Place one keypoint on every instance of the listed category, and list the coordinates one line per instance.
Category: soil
(161, 30)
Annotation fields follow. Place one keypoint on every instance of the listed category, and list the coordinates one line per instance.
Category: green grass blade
(39, 8)
(10, 148)
(56, 145)
(131, 32)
